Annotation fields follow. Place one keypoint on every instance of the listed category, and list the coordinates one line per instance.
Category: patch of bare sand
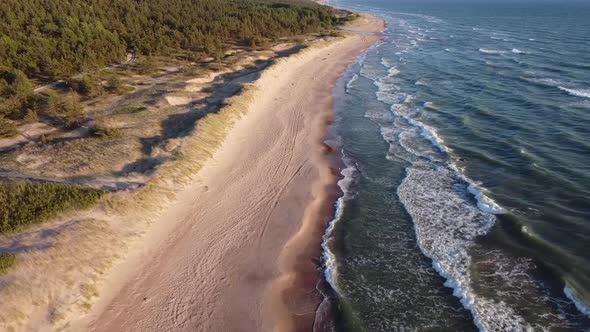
(235, 251)
(179, 100)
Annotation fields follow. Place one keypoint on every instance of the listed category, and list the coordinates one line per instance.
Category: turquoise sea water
(466, 133)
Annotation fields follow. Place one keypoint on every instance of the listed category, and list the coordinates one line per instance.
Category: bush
(68, 108)
(52, 102)
(16, 93)
(102, 130)
(147, 65)
(336, 33)
(15, 84)
(299, 40)
(7, 127)
(87, 85)
(7, 260)
(26, 203)
(115, 85)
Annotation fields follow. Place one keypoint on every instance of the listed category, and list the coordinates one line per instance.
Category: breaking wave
(490, 51)
(583, 93)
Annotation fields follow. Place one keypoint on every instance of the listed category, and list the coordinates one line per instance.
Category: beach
(239, 248)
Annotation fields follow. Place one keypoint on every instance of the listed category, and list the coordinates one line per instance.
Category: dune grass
(7, 260)
(129, 110)
(24, 203)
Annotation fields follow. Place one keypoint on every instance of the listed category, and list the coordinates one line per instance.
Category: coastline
(299, 263)
(239, 247)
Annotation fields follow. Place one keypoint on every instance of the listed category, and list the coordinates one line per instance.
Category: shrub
(299, 40)
(147, 65)
(115, 85)
(87, 85)
(52, 102)
(16, 84)
(7, 127)
(7, 260)
(102, 130)
(26, 203)
(68, 107)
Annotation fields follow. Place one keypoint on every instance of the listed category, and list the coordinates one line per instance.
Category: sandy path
(247, 229)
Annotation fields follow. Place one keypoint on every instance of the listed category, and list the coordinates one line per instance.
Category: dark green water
(467, 193)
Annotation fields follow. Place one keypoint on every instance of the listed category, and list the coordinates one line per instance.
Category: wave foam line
(484, 203)
(330, 266)
(580, 305)
(446, 227)
(584, 93)
(352, 80)
(490, 51)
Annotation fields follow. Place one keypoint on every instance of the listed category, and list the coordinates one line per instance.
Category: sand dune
(235, 252)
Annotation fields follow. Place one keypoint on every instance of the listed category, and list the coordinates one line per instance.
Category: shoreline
(301, 258)
(246, 276)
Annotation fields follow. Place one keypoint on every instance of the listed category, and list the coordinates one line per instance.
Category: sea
(465, 139)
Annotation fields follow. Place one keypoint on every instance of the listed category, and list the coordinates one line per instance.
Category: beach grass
(7, 261)
(26, 203)
(129, 110)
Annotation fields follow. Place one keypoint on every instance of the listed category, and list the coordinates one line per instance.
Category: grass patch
(7, 260)
(125, 89)
(129, 110)
(24, 203)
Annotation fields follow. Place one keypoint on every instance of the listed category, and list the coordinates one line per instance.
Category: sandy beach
(238, 249)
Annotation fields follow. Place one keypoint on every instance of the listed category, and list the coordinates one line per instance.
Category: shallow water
(466, 133)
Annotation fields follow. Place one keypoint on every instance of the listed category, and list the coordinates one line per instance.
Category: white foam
(369, 72)
(583, 93)
(582, 307)
(430, 134)
(386, 63)
(388, 92)
(490, 51)
(526, 230)
(352, 80)
(431, 106)
(393, 71)
(331, 267)
(542, 81)
(446, 227)
(484, 203)
(408, 140)
(409, 99)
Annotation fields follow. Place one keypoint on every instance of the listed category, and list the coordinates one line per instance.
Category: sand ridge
(235, 251)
